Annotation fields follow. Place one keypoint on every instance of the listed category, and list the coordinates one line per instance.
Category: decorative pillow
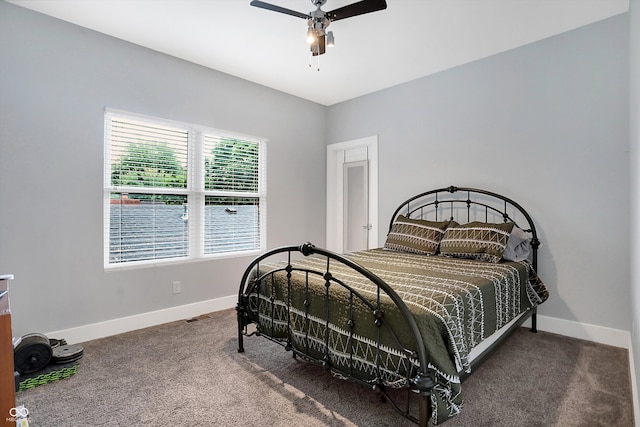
(476, 240)
(417, 236)
(518, 247)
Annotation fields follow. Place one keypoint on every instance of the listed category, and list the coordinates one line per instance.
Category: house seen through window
(178, 191)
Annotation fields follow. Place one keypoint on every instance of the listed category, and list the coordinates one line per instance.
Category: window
(176, 191)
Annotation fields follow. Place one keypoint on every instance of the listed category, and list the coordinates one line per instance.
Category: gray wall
(634, 73)
(548, 125)
(56, 80)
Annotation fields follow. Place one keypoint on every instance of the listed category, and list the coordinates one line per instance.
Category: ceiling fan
(318, 20)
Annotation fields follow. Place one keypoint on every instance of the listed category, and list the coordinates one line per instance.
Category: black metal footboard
(294, 306)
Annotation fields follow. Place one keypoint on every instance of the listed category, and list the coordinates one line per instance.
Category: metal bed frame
(433, 205)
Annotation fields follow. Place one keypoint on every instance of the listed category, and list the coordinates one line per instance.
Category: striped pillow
(417, 236)
(476, 240)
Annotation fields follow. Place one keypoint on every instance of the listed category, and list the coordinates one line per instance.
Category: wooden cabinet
(7, 382)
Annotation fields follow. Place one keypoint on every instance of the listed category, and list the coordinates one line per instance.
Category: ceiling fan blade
(275, 8)
(355, 9)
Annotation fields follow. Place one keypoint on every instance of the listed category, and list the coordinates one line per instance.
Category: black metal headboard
(464, 204)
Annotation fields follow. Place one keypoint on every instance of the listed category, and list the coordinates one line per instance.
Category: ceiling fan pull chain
(317, 59)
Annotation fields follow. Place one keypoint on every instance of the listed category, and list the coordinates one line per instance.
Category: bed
(458, 269)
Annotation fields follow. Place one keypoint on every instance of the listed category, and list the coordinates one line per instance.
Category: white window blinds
(146, 155)
(232, 194)
(231, 165)
(179, 191)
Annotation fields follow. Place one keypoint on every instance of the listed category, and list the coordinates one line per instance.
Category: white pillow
(518, 246)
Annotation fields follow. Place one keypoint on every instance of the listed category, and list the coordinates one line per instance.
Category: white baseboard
(143, 320)
(583, 331)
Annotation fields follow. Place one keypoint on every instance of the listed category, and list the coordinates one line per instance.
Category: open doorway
(352, 195)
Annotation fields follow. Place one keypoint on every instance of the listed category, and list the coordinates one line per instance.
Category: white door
(352, 195)
(356, 206)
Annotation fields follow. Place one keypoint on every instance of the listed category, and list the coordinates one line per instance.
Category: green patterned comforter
(456, 303)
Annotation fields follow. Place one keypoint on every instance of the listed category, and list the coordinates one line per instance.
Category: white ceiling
(408, 40)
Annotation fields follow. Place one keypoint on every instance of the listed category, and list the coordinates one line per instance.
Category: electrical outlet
(177, 287)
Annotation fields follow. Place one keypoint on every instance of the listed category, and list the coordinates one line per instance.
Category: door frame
(335, 182)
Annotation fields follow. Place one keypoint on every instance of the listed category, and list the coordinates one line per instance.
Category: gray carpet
(190, 374)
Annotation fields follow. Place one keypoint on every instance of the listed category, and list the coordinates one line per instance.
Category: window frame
(194, 191)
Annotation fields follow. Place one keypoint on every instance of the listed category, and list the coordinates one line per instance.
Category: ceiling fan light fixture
(319, 46)
(330, 39)
(311, 37)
